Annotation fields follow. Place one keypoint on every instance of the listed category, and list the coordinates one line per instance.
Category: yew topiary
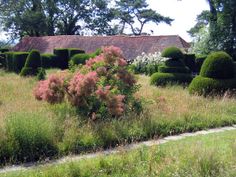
(217, 75)
(172, 53)
(33, 62)
(218, 65)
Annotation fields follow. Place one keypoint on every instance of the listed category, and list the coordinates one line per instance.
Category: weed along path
(29, 166)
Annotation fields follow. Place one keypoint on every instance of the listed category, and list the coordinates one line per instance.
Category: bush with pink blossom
(101, 88)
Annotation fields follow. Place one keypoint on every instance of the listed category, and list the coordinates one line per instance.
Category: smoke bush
(102, 88)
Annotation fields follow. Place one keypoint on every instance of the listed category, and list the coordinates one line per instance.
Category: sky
(183, 11)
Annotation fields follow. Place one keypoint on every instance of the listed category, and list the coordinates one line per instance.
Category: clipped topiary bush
(209, 86)
(166, 69)
(49, 60)
(9, 61)
(74, 51)
(33, 62)
(80, 58)
(163, 79)
(218, 65)
(3, 50)
(199, 61)
(173, 70)
(172, 53)
(19, 59)
(63, 57)
(189, 61)
(2, 60)
(217, 75)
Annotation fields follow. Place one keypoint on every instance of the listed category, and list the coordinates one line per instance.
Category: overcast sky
(183, 11)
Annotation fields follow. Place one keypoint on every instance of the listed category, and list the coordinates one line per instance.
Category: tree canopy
(74, 17)
(221, 23)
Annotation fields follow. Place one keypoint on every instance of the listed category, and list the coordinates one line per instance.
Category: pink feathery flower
(103, 93)
(122, 62)
(97, 59)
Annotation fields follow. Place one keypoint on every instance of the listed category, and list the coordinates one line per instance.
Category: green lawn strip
(204, 155)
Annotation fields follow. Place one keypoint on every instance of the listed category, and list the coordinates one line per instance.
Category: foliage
(167, 69)
(100, 88)
(74, 51)
(189, 61)
(199, 61)
(221, 32)
(49, 61)
(163, 79)
(211, 87)
(30, 137)
(63, 56)
(172, 53)
(80, 58)
(218, 65)
(217, 76)
(147, 63)
(130, 12)
(41, 75)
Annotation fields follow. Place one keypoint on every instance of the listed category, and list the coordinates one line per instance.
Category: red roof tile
(132, 46)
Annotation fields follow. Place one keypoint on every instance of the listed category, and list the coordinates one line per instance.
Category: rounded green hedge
(162, 79)
(63, 57)
(74, 51)
(199, 61)
(210, 86)
(49, 60)
(33, 60)
(80, 58)
(165, 69)
(218, 65)
(174, 63)
(172, 53)
(28, 71)
(189, 61)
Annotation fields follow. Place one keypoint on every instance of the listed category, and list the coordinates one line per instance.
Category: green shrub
(30, 137)
(199, 61)
(3, 50)
(63, 57)
(210, 86)
(80, 58)
(174, 63)
(165, 69)
(74, 51)
(33, 60)
(19, 59)
(150, 69)
(162, 79)
(2, 60)
(218, 65)
(9, 61)
(49, 60)
(28, 71)
(189, 61)
(41, 74)
(172, 53)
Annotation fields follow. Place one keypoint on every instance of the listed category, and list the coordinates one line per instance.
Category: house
(132, 46)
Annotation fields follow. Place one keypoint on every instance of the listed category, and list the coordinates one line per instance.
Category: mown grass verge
(205, 155)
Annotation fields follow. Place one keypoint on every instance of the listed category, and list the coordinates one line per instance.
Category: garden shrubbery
(217, 75)
(147, 63)
(103, 87)
(173, 70)
(32, 64)
(199, 61)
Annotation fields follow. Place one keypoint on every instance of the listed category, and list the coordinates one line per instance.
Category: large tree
(221, 23)
(130, 12)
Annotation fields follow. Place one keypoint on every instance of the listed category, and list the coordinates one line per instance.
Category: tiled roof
(132, 46)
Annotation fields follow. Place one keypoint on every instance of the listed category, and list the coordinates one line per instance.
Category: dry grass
(16, 95)
(175, 101)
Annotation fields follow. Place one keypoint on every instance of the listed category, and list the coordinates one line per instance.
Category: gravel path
(28, 166)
